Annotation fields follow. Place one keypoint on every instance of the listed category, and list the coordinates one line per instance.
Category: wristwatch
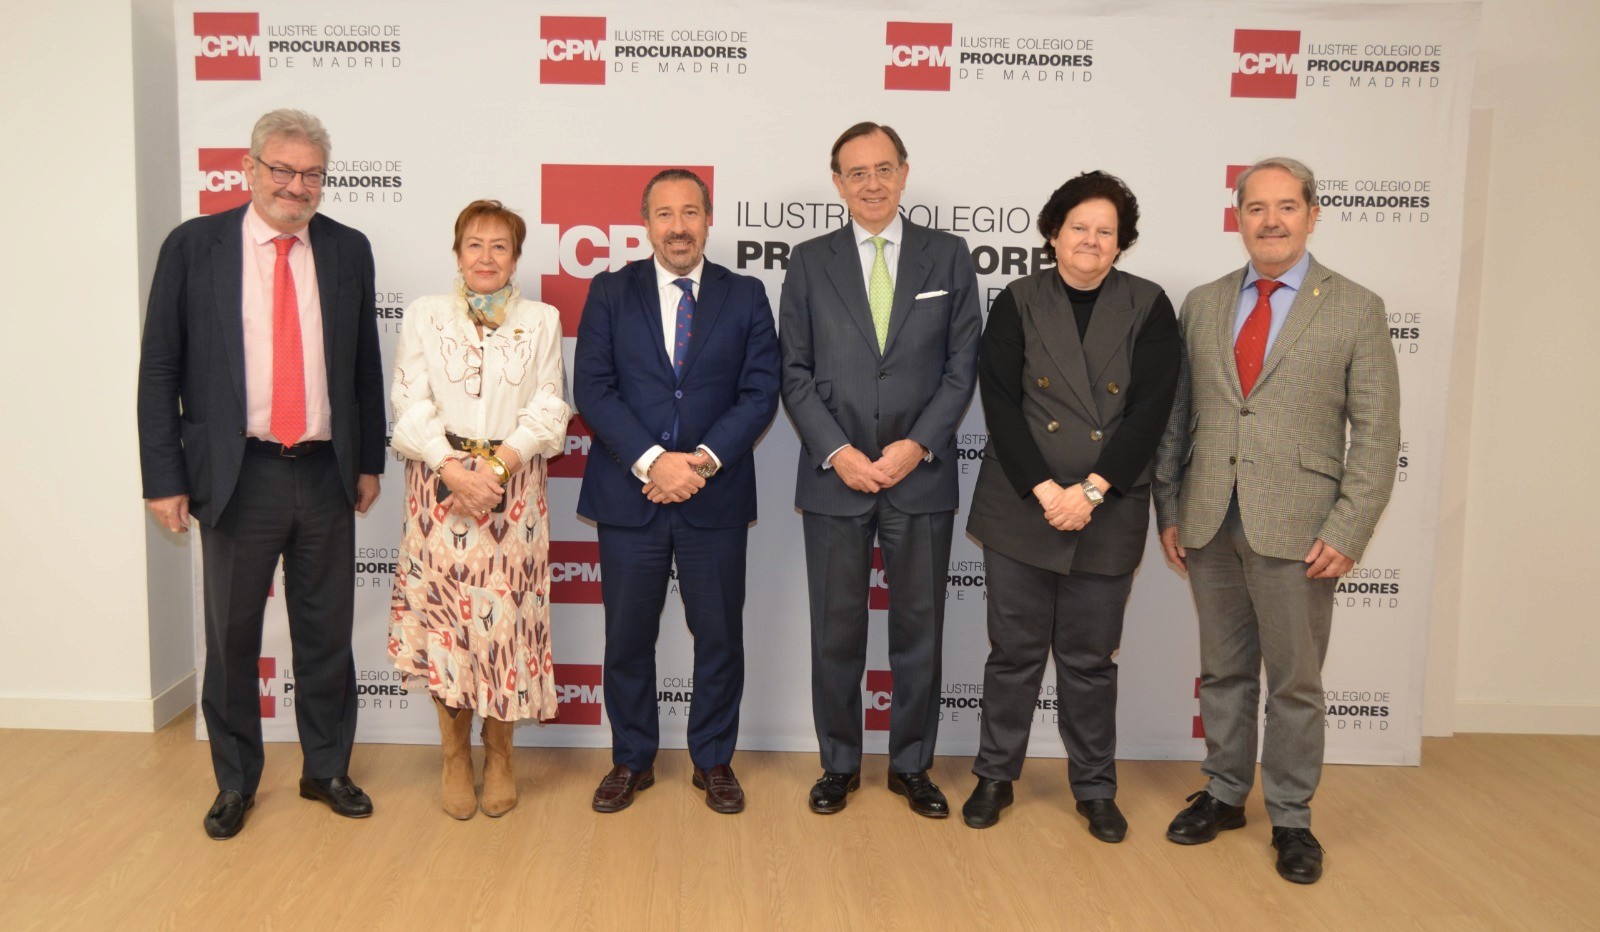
(707, 469)
(496, 466)
(1094, 495)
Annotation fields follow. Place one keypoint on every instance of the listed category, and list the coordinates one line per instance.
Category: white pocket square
(930, 294)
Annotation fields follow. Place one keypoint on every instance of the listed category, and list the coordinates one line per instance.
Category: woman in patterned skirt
(479, 399)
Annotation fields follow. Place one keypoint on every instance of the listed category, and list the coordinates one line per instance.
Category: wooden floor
(102, 831)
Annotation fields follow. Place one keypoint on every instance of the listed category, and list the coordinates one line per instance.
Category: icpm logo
(570, 48)
(575, 572)
(222, 181)
(1230, 217)
(267, 670)
(575, 452)
(878, 583)
(877, 699)
(227, 46)
(919, 56)
(579, 694)
(1264, 62)
(595, 210)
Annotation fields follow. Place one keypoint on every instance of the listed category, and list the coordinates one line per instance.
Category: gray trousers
(1257, 610)
(1034, 613)
(916, 561)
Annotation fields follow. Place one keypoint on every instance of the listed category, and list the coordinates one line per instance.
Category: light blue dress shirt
(1281, 299)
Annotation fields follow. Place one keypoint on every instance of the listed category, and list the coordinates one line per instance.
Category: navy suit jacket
(191, 365)
(840, 388)
(624, 387)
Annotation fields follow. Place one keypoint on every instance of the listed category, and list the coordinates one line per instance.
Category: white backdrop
(562, 110)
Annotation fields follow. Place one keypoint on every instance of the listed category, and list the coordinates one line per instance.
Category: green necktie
(880, 294)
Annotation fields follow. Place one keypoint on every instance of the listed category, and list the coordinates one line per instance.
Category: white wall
(1529, 622)
(1515, 640)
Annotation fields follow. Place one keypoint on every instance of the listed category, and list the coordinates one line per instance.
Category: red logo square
(1264, 62)
(571, 50)
(222, 181)
(919, 56)
(579, 694)
(228, 47)
(575, 452)
(1230, 217)
(575, 572)
(875, 700)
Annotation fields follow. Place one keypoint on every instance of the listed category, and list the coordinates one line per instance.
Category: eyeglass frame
(884, 174)
(321, 174)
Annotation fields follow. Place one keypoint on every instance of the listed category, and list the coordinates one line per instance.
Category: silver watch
(1093, 494)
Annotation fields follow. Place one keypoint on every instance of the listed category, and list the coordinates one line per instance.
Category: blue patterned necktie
(685, 330)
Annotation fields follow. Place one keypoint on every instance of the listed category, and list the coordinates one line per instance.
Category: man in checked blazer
(1259, 498)
(879, 326)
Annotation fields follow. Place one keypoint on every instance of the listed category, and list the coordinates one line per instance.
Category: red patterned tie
(1250, 349)
(288, 363)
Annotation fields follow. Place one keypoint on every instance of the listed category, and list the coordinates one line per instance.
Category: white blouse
(516, 368)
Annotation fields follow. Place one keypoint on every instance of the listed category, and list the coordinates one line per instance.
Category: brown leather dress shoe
(617, 790)
(723, 793)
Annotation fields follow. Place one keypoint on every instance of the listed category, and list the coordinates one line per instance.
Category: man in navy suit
(261, 414)
(676, 373)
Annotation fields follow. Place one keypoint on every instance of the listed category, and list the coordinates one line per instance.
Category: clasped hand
(1065, 508)
(885, 472)
(474, 492)
(673, 479)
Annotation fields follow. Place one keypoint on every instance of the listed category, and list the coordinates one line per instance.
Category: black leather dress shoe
(1105, 819)
(983, 807)
(829, 792)
(226, 815)
(619, 786)
(923, 794)
(342, 796)
(1299, 854)
(1202, 821)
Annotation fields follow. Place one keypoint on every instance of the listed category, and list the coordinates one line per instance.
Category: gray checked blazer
(1331, 370)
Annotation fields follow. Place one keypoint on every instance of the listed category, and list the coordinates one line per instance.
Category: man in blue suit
(676, 373)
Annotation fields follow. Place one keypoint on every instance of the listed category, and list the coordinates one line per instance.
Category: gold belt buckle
(478, 448)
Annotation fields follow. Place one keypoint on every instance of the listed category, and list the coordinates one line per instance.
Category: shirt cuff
(828, 463)
(641, 466)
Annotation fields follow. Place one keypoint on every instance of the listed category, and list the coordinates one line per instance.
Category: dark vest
(1072, 399)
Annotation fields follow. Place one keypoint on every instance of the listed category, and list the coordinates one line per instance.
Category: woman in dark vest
(1077, 371)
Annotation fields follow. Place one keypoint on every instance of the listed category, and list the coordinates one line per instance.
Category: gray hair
(290, 124)
(1298, 169)
(674, 174)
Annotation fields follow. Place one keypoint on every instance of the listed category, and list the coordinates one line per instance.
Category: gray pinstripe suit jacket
(1331, 369)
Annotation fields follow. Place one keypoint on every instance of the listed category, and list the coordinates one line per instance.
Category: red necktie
(288, 363)
(1250, 349)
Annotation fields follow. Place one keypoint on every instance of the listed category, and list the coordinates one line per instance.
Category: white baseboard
(1522, 718)
(69, 714)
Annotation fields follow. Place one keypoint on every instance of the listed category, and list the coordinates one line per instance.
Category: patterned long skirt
(470, 613)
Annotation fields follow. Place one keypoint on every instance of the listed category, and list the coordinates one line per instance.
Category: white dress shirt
(259, 269)
(518, 365)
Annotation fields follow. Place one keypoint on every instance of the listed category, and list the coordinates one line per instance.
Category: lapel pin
(1315, 293)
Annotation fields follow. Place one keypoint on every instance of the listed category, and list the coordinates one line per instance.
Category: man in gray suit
(1257, 496)
(879, 327)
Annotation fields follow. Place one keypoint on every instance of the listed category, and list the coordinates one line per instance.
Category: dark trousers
(1033, 614)
(295, 509)
(916, 561)
(635, 564)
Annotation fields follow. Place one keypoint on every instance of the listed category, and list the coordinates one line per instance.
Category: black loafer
(1203, 819)
(829, 792)
(1299, 854)
(226, 815)
(342, 796)
(1105, 819)
(922, 793)
(983, 807)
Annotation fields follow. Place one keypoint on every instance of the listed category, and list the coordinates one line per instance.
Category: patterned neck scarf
(486, 309)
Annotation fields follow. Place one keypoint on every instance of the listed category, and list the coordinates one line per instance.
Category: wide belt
(471, 445)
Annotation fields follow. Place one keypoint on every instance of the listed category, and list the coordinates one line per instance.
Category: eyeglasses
(312, 179)
(884, 173)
